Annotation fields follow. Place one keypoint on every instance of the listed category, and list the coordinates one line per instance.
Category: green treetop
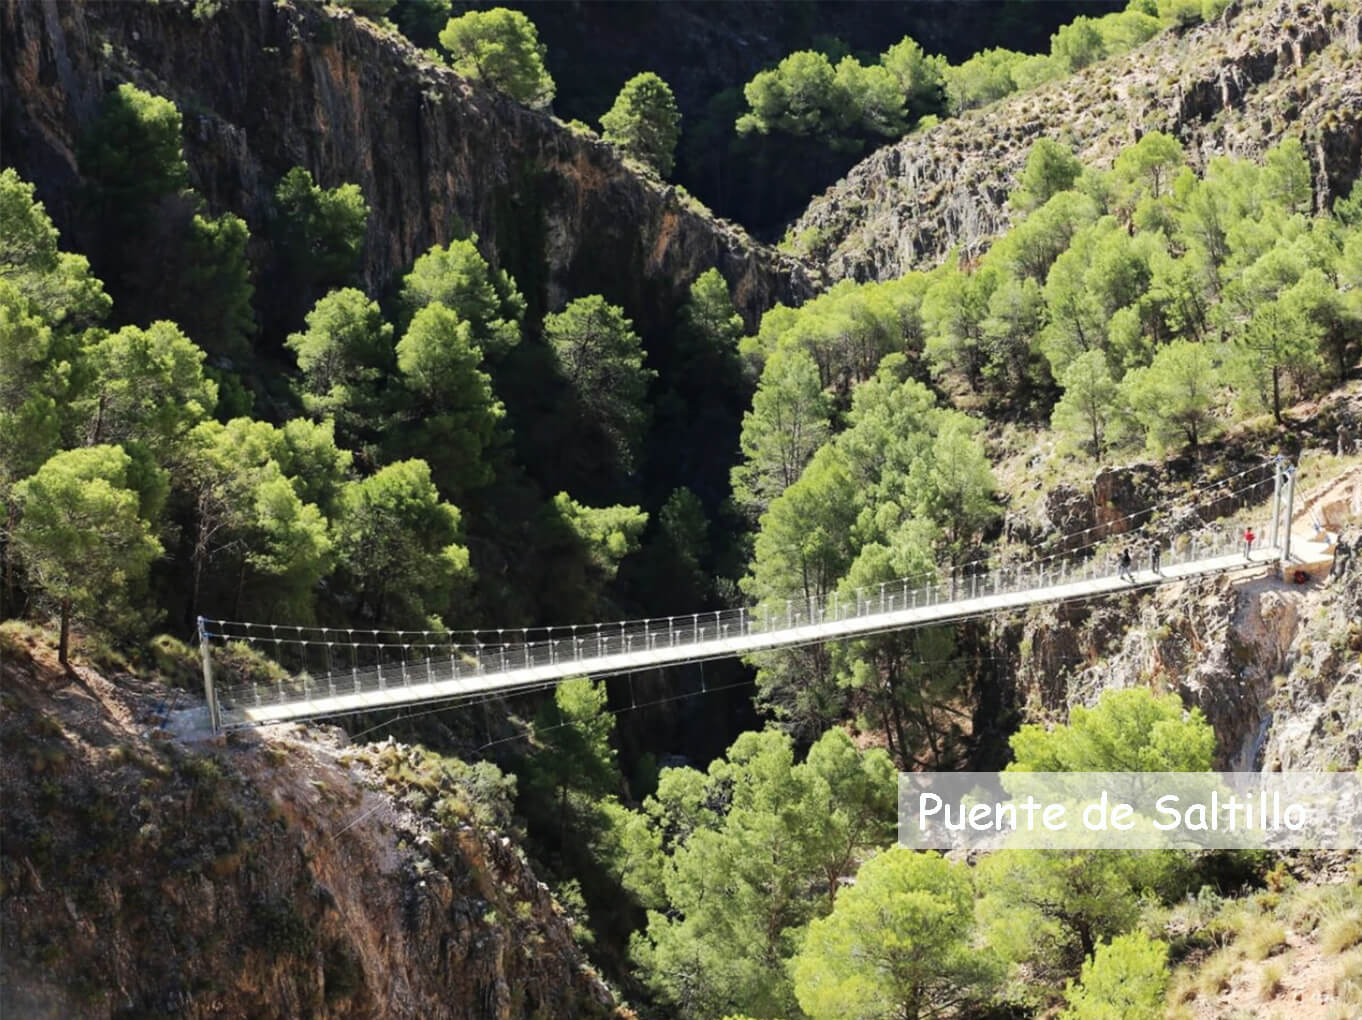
(645, 122)
(1279, 344)
(321, 230)
(317, 469)
(574, 731)
(1078, 44)
(754, 843)
(1089, 406)
(30, 389)
(80, 535)
(422, 20)
(148, 387)
(919, 77)
(984, 77)
(955, 481)
(131, 153)
(1131, 730)
(457, 276)
(58, 283)
(711, 326)
(344, 354)
(897, 946)
(400, 544)
(797, 97)
(787, 424)
(1148, 167)
(250, 520)
(1125, 977)
(501, 49)
(212, 303)
(601, 357)
(452, 413)
(1050, 168)
(1050, 909)
(586, 545)
(1174, 398)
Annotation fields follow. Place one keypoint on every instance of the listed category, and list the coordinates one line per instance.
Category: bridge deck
(445, 680)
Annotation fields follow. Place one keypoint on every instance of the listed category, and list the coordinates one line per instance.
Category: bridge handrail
(413, 663)
(228, 630)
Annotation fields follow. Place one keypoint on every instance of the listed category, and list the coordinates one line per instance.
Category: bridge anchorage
(330, 671)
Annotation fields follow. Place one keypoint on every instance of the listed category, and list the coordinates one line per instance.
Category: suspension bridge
(327, 671)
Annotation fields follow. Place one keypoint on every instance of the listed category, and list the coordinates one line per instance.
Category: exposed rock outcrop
(1274, 666)
(275, 875)
(266, 86)
(1217, 642)
(1265, 70)
(1317, 703)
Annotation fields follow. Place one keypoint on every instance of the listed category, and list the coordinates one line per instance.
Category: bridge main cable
(411, 674)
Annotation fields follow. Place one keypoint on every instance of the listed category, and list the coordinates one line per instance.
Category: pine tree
(80, 535)
(501, 49)
(645, 122)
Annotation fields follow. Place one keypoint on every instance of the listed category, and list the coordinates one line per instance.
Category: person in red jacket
(1249, 536)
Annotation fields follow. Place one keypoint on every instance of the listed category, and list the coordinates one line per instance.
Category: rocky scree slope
(1261, 72)
(278, 874)
(267, 86)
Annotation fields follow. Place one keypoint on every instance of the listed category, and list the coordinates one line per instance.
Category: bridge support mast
(1276, 501)
(210, 695)
(1290, 512)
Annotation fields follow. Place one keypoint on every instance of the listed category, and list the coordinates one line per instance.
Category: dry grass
(1217, 973)
(1260, 939)
(1183, 989)
(1270, 980)
(1348, 979)
(1341, 934)
(1314, 907)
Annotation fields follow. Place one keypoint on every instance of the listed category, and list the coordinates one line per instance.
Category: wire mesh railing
(311, 664)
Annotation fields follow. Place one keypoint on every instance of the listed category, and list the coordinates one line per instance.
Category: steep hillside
(277, 875)
(1262, 72)
(701, 47)
(1273, 664)
(707, 51)
(298, 84)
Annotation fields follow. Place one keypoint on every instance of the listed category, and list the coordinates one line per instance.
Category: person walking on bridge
(1155, 551)
(1125, 566)
(1249, 536)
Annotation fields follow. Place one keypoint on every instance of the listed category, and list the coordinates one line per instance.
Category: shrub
(17, 641)
(279, 929)
(175, 661)
(1216, 974)
(1348, 978)
(341, 973)
(202, 771)
(239, 662)
(1125, 977)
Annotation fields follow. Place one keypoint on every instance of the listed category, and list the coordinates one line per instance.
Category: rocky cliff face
(274, 876)
(1316, 706)
(266, 86)
(1273, 665)
(1263, 71)
(707, 50)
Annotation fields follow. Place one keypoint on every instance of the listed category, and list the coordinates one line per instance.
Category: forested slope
(434, 155)
(377, 349)
(1260, 72)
